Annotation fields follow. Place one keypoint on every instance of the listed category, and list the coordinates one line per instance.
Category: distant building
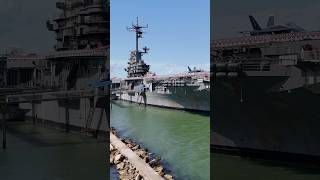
(18, 68)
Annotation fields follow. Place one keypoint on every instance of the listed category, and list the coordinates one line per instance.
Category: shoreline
(126, 169)
(200, 112)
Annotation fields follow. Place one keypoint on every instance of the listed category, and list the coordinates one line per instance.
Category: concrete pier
(144, 169)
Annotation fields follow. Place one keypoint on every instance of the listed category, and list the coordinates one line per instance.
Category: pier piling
(67, 116)
(4, 133)
(33, 113)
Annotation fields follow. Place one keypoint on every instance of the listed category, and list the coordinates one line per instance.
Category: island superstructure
(266, 90)
(81, 24)
(67, 86)
(187, 91)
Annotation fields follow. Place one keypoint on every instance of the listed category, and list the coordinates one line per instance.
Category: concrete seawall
(141, 166)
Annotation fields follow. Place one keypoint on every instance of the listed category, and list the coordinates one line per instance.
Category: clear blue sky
(178, 34)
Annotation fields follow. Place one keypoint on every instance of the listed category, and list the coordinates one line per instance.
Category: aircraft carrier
(67, 87)
(186, 91)
(266, 91)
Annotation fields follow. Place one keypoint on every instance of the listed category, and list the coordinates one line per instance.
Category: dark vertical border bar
(211, 84)
(107, 96)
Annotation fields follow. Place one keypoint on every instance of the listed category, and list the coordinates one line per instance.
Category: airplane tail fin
(270, 21)
(254, 23)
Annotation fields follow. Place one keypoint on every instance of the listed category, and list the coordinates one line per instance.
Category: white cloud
(117, 68)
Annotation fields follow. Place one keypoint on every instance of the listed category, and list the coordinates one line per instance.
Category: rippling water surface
(38, 153)
(227, 167)
(180, 138)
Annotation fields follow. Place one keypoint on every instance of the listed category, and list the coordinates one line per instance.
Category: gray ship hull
(184, 98)
(246, 117)
(54, 113)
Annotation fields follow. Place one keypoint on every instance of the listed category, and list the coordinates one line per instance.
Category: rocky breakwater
(127, 170)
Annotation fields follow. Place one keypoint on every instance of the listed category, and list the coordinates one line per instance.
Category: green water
(38, 153)
(226, 167)
(180, 138)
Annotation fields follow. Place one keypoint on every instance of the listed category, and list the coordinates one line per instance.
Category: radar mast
(136, 66)
(138, 29)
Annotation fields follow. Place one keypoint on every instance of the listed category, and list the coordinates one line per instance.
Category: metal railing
(312, 56)
(28, 97)
(247, 40)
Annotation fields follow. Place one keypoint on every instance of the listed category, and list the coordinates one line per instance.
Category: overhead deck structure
(74, 79)
(264, 39)
(270, 81)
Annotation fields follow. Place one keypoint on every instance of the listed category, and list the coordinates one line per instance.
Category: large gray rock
(120, 165)
(118, 158)
(168, 177)
(158, 169)
(138, 177)
(141, 153)
(111, 148)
